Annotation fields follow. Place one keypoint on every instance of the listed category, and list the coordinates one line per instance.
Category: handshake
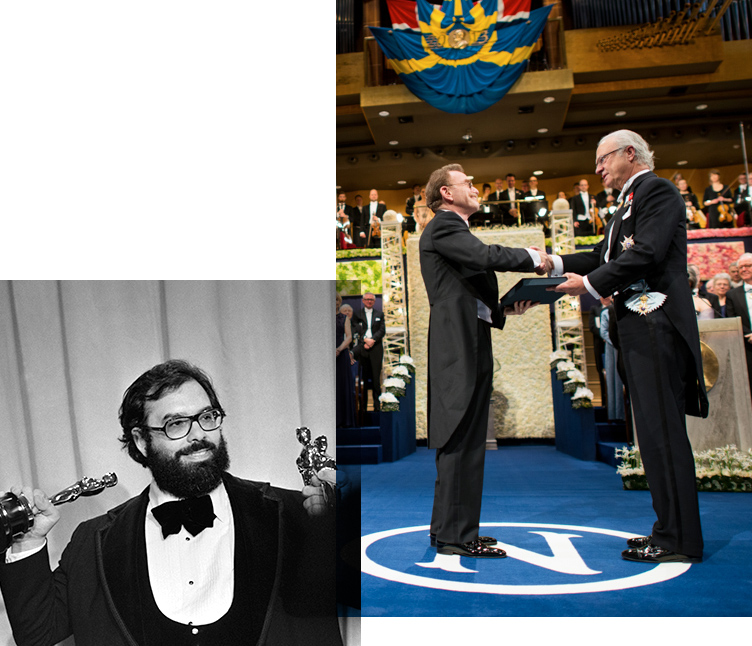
(546, 265)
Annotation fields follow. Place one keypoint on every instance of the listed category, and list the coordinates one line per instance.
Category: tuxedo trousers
(460, 462)
(658, 364)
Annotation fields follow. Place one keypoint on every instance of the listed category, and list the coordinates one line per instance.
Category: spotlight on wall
(463, 151)
(417, 153)
(374, 157)
(509, 146)
(555, 143)
(485, 147)
(352, 159)
(678, 133)
(440, 152)
(579, 141)
(532, 144)
(396, 154)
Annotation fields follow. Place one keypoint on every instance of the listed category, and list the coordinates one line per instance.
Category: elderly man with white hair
(642, 261)
(739, 303)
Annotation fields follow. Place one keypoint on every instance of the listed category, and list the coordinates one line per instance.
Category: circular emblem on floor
(541, 559)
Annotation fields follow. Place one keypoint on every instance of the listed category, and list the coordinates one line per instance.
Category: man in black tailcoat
(642, 261)
(458, 272)
(739, 303)
(371, 328)
(200, 557)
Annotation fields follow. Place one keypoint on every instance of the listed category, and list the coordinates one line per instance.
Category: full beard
(191, 479)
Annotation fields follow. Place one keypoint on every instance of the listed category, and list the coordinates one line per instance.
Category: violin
(726, 213)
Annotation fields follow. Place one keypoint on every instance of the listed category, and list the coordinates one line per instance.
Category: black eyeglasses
(467, 182)
(602, 158)
(178, 427)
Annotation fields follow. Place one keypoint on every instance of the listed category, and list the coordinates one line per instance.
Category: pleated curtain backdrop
(69, 349)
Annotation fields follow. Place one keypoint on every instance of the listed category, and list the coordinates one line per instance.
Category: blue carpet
(563, 523)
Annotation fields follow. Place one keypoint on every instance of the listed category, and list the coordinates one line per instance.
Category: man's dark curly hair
(152, 385)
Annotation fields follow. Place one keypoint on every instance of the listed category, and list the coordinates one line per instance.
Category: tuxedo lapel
(257, 512)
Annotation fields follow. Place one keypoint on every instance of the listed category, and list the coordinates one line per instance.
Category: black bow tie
(195, 514)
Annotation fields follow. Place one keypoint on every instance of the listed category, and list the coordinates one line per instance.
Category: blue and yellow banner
(464, 58)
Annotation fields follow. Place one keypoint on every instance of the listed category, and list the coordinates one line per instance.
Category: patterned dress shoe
(486, 540)
(654, 554)
(639, 541)
(475, 549)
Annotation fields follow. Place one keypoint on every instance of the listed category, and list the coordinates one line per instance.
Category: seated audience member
(733, 271)
(703, 306)
(737, 304)
(721, 287)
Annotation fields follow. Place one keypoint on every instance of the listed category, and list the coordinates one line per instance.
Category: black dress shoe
(639, 541)
(474, 548)
(654, 554)
(486, 540)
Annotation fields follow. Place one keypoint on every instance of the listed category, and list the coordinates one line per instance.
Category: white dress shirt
(369, 316)
(192, 577)
(559, 265)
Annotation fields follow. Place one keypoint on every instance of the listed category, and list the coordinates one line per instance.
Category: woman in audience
(721, 286)
(344, 384)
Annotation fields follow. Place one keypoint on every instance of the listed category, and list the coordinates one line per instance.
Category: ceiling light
(620, 113)
(339, 187)
(543, 130)
(737, 146)
(468, 136)
(537, 172)
(401, 181)
(702, 106)
(393, 142)
(683, 162)
(549, 99)
(383, 113)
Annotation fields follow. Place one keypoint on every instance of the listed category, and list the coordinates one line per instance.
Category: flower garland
(720, 469)
(574, 380)
(395, 385)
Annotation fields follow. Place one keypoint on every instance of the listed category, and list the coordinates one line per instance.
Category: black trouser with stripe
(659, 363)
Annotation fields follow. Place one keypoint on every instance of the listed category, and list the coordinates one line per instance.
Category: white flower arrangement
(388, 403)
(560, 355)
(575, 379)
(401, 372)
(582, 398)
(395, 386)
(721, 469)
(562, 368)
(407, 362)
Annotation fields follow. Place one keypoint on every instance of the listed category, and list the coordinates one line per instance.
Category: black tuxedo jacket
(736, 305)
(530, 208)
(649, 241)
(585, 227)
(458, 270)
(89, 592)
(601, 199)
(504, 208)
(360, 325)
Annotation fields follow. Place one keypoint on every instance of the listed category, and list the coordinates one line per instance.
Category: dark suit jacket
(88, 591)
(530, 209)
(359, 324)
(585, 227)
(736, 305)
(656, 224)
(601, 198)
(457, 269)
(504, 208)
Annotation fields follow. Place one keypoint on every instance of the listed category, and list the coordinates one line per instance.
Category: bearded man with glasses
(200, 557)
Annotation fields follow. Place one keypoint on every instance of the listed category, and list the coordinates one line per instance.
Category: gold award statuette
(17, 518)
(313, 459)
